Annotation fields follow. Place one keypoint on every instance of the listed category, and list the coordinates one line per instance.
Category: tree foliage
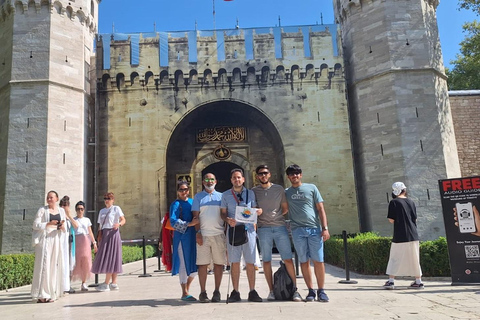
(473, 5)
(465, 74)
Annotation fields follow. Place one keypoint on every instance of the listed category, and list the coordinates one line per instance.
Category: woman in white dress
(49, 239)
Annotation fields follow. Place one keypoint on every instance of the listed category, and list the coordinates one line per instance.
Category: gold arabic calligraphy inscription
(221, 134)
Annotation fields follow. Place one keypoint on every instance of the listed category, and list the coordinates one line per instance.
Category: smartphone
(466, 220)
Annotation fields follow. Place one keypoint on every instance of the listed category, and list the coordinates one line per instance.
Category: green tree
(466, 66)
(473, 5)
(464, 75)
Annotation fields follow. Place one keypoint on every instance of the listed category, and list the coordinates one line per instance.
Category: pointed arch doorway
(191, 151)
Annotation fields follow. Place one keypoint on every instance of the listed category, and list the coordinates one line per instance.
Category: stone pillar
(400, 113)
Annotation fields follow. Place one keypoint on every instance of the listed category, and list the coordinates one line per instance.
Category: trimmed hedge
(135, 253)
(368, 254)
(17, 269)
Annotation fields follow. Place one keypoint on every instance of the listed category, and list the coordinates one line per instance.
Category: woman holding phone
(49, 238)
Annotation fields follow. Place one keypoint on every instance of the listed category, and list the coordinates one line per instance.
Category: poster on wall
(461, 205)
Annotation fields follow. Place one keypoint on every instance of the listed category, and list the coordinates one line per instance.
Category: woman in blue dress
(184, 240)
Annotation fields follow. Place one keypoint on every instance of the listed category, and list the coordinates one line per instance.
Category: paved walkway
(157, 297)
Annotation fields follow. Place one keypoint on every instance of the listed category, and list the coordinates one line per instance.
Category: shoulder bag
(99, 232)
(238, 235)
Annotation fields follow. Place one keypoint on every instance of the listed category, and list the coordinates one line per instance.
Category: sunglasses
(263, 173)
(209, 180)
(80, 209)
(183, 189)
(239, 196)
(107, 199)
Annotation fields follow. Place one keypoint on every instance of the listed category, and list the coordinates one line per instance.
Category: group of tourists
(206, 231)
(63, 247)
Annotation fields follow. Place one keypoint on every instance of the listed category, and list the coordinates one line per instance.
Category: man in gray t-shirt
(271, 227)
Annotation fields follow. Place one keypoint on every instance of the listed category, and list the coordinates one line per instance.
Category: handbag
(168, 225)
(180, 225)
(99, 232)
(237, 235)
(99, 235)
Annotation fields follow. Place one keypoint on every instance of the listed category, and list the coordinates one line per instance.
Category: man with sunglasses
(308, 221)
(210, 236)
(272, 227)
(238, 195)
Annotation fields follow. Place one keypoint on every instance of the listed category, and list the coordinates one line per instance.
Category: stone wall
(51, 44)
(291, 100)
(401, 118)
(466, 117)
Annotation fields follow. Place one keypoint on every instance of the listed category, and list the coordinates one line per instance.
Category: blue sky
(165, 15)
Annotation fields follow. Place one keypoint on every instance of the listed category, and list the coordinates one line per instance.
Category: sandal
(188, 298)
(45, 300)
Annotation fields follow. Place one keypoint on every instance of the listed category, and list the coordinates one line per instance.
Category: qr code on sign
(472, 251)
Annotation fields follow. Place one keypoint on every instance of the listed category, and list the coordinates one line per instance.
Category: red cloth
(167, 237)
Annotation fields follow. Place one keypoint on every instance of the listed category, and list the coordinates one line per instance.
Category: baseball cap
(398, 187)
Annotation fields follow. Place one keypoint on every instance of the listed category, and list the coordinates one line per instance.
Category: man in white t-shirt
(210, 236)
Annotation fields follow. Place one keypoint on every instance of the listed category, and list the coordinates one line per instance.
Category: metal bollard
(96, 284)
(159, 257)
(145, 274)
(347, 267)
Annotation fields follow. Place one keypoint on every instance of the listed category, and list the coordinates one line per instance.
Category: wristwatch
(325, 228)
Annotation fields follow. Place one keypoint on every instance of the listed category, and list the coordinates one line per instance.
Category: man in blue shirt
(238, 195)
(308, 221)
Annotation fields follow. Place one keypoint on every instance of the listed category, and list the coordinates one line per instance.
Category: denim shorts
(308, 243)
(279, 234)
(248, 249)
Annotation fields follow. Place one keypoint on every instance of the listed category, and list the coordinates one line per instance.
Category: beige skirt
(404, 259)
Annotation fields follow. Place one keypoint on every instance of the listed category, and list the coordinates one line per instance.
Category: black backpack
(283, 288)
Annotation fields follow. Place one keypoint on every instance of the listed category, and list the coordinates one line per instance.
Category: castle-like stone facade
(358, 105)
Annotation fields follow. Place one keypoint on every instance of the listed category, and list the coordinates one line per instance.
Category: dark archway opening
(221, 170)
(186, 155)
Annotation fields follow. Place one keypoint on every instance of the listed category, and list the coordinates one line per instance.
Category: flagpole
(214, 27)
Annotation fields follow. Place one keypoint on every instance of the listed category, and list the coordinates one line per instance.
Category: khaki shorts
(213, 248)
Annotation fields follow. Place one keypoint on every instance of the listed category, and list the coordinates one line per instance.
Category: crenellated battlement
(84, 11)
(238, 55)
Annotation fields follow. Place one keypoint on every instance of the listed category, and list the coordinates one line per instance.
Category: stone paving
(157, 297)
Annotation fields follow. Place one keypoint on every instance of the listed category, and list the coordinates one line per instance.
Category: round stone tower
(401, 122)
(45, 60)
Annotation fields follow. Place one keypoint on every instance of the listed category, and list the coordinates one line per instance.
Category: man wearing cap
(271, 227)
(404, 253)
(308, 221)
(210, 236)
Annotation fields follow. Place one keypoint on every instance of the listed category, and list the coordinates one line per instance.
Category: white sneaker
(103, 287)
(271, 296)
(297, 297)
(114, 286)
(84, 287)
